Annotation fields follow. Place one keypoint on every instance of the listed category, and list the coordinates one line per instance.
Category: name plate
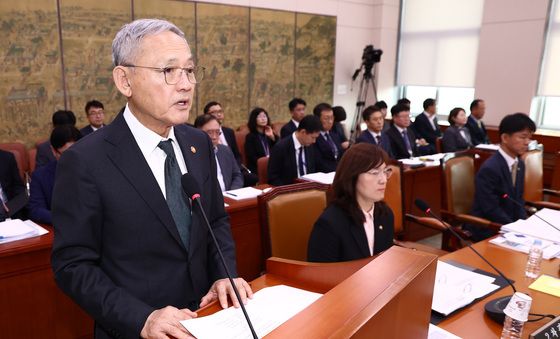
(548, 331)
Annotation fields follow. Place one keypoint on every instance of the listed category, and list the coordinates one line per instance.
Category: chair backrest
(533, 175)
(240, 139)
(20, 153)
(439, 145)
(262, 170)
(556, 177)
(32, 156)
(287, 215)
(394, 197)
(458, 173)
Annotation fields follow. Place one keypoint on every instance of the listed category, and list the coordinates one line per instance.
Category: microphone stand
(506, 196)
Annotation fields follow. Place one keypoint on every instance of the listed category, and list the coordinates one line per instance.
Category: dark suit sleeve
(77, 249)
(275, 166)
(251, 151)
(17, 186)
(284, 131)
(236, 176)
(38, 207)
(449, 141)
(324, 244)
(488, 193)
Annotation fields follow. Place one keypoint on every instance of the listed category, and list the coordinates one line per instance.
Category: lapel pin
(381, 227)
(193, 149)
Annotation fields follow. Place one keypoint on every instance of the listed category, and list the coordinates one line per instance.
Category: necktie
(174, 195)
(435, 124)
(301, 165)
(407, 142)
(514, 173)
(479, 123)
(378, 139)
(332, 145)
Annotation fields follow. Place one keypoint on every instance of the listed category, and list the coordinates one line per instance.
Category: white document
(456, 287)
(411, 162)
(522, 243)
(269, 308)
(243, 193)
(489, 147)
(435, 332)
(535, 227)
(16, 229)
(323, 178)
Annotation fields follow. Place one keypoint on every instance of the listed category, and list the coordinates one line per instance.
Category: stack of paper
(230, 323)
(456, 287)
(489, 147)
(323, 178)
(16, 229)
(537, 228)
(522, 243)
(427, 160)
(243, 193)
(435, 332)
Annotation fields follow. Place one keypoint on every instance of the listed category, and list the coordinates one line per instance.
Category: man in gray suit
(228, 172)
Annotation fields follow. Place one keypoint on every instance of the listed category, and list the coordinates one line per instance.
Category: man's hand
(222, 288)
(421, 142)
(164, 323)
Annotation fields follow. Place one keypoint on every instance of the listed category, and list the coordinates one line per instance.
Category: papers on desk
(323, 178)
(244, 193)
(547, 284)
(16, 229)
(537, 228)
(522, 243)
(456, 287)
(488, 147)
(269, 308)
(426, 160)
(435, 332)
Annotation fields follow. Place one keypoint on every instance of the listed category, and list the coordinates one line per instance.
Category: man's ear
(121, 81)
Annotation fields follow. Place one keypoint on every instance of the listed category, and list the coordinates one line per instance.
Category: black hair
(339, 113)
(474, 103)
(395, 110)
(453, 114)
(320, 108)
(203, 119)
(428, 102)
(63, 134)
(516, 122)
(210, 104)
(62, 117)
(252, 124)
(310, 123)
(404, 101)
(93, 103)
(369, 111)
(294, 102)
(381, 104)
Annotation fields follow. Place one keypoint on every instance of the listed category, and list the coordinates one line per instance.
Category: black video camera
(370, 57)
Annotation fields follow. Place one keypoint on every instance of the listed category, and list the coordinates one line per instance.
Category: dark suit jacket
(282, 165)
(339, 129)
(255, 150)
(336, 237)
(44, 154)
(325, 157)
(385, 143)
(229, 134)
(117, 252)
(453, 141)
(491, 182)
(398, 147)
(423, 129)
(9, 175)
(231, 173)
(287, 129)
(40, 193)
(478, 135)
(87, 130)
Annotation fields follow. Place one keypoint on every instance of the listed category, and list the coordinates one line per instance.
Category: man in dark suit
(373, 117)
(297, 110)
(11, 184)
(503, 173)
(95, 113)
(44, 150)
(227, 137)
(383, 107)
(294, 157)
(475, 125)
(228, 173)
(328, 147)
(129, 247)
(426, 126)
(402, 138)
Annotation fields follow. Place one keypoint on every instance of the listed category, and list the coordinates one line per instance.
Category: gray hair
(129, 37)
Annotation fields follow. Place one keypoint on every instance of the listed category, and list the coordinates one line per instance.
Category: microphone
(506, 196)
(494, 308)
(190, 186)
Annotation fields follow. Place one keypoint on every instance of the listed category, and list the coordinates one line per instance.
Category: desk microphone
(494, 308)
(190, 186)
(506, 196)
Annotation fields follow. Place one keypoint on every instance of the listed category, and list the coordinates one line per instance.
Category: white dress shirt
(223, 140)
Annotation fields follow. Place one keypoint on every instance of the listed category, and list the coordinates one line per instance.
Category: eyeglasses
(172, 75)
(213, 132)
(377, 173)
(96, 113)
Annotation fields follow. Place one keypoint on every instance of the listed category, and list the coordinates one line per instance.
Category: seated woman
(260, 139)
(456, 137)
(357, 223)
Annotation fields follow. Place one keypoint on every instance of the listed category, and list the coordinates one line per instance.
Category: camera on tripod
(370, 56)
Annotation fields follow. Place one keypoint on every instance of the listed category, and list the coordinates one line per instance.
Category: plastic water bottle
(517, 312)
(533, 268)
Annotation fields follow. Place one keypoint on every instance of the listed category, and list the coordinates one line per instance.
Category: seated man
(44, 150)
(383, 107)
(503, 173)
(375, 133)
(11, 184)
(228, 172)
(297, 110)
(475, 125)
(227, 136)
(42, 181)
(403, 140)
(426, 126)
(95, 113)
(293, 157)
(328, 147)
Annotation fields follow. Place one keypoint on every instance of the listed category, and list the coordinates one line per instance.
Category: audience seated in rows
(261, 138)
(357, 223)
(42, 181)
(457, 136)
(44, 150)
(294, 156)
(297, 111)
(374, 134)
(95, 113)
(328, 147)
(227, 170)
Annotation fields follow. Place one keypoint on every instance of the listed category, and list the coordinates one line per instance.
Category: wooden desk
(472, 322)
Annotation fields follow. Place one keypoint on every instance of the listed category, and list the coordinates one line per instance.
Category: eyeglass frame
(388, 171)
(163, 70)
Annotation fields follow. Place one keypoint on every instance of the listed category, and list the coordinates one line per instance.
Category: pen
(234, 195)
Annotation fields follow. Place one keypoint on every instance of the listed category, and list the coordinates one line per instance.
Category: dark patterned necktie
(407, 142)
(174, 195)
(334, 149)
(301, 164)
